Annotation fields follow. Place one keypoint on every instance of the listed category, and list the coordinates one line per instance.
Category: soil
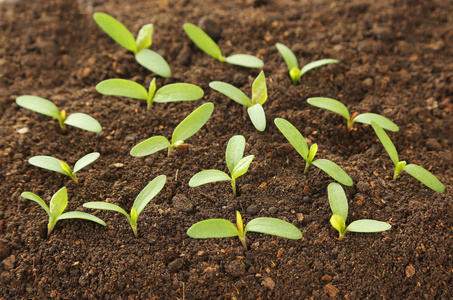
(396, 60)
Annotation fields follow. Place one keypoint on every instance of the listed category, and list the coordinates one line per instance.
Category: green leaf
(85, 161)
(338, 200)
(380, 120)
(202, 40)
(368, 226)
(274, 227)
(231, 92)
(144, 37)
(39, 105)
(245, 60)
(212, 228)
(339, 224)
(83, 121)
(116, 30)
(242, 167)
(334, 171)
(192, 123)
(123, 88)
(150, 146)
(58, 202)
(259, 89)
(330, 104)
(386, 142)
(312, 152)
(288, 56)
(208, 176)
(149, 192)
(425, 177)
(257, 116)
(178, 92)
(47, 162)
(80, 215)
(151, 90)
(37, 199)
(293, 136)
(154, 62)
(234, 151)
(295, 75)
(106, 206)
(317, 63)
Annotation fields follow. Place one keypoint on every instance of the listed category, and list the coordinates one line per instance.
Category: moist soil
(396, 60)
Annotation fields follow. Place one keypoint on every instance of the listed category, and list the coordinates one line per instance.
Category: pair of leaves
(255, 105)
(419, 173)
(236, 163)
(46, 107)
(293, 65)
(339, 108)
(207, 45)
(58, 204)
(120, 34)
(144, 197)
(298, 142)
(56, 165)
(188, 127)
(339, 206)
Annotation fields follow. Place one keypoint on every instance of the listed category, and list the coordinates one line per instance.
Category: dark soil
(396, 60)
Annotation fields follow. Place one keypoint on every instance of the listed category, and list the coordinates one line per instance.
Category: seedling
(293, 66)
(255, 105)
(144, 56)
(236, 163)
(188, 127)
(339, 108)
(298, 142)
(339, 206)
(58, 204)
(219, 228)
(56, 165)
(419, 173)
(146, 195)
(45, 107)
(169, 93)
(207, 45)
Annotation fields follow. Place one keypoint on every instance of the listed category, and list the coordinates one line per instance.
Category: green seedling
(339, 108)
(419, 173)
(56, 165)
(236, 163)
(169, 93)
(188, 127)
(219, 228)
(207, 45)
(339, 206)
(293, 66)
(45, 107)
(58, 204)
(146, 195)
(255, 105)
(298, 142)
(144, 56)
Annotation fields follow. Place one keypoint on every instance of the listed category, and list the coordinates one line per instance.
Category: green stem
(244, 243)
(306, 168)
(169, 151)
(134, 229)
(233, 185)
(74, 177)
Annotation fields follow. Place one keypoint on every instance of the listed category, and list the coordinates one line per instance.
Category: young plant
(255, 105)
(144, 56)
(293, 66)
(188, 127)
(207, 45)
(146, 195)
(219, 228)
(339, 108)
(339, 206)
(56, 165)
(298, 142)
(58, 204)
(419, 173)
(169, 93)
(45, 107)
(236, 163)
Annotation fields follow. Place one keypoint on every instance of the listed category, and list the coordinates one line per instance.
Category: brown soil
(396, 60)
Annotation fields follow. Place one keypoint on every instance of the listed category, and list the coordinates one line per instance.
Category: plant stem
(306, 169)
(134, 229)
(233, 185)
(169, 151)
(74, 177)
(243, 242)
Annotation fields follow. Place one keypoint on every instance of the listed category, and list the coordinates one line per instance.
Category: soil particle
(236, 268)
